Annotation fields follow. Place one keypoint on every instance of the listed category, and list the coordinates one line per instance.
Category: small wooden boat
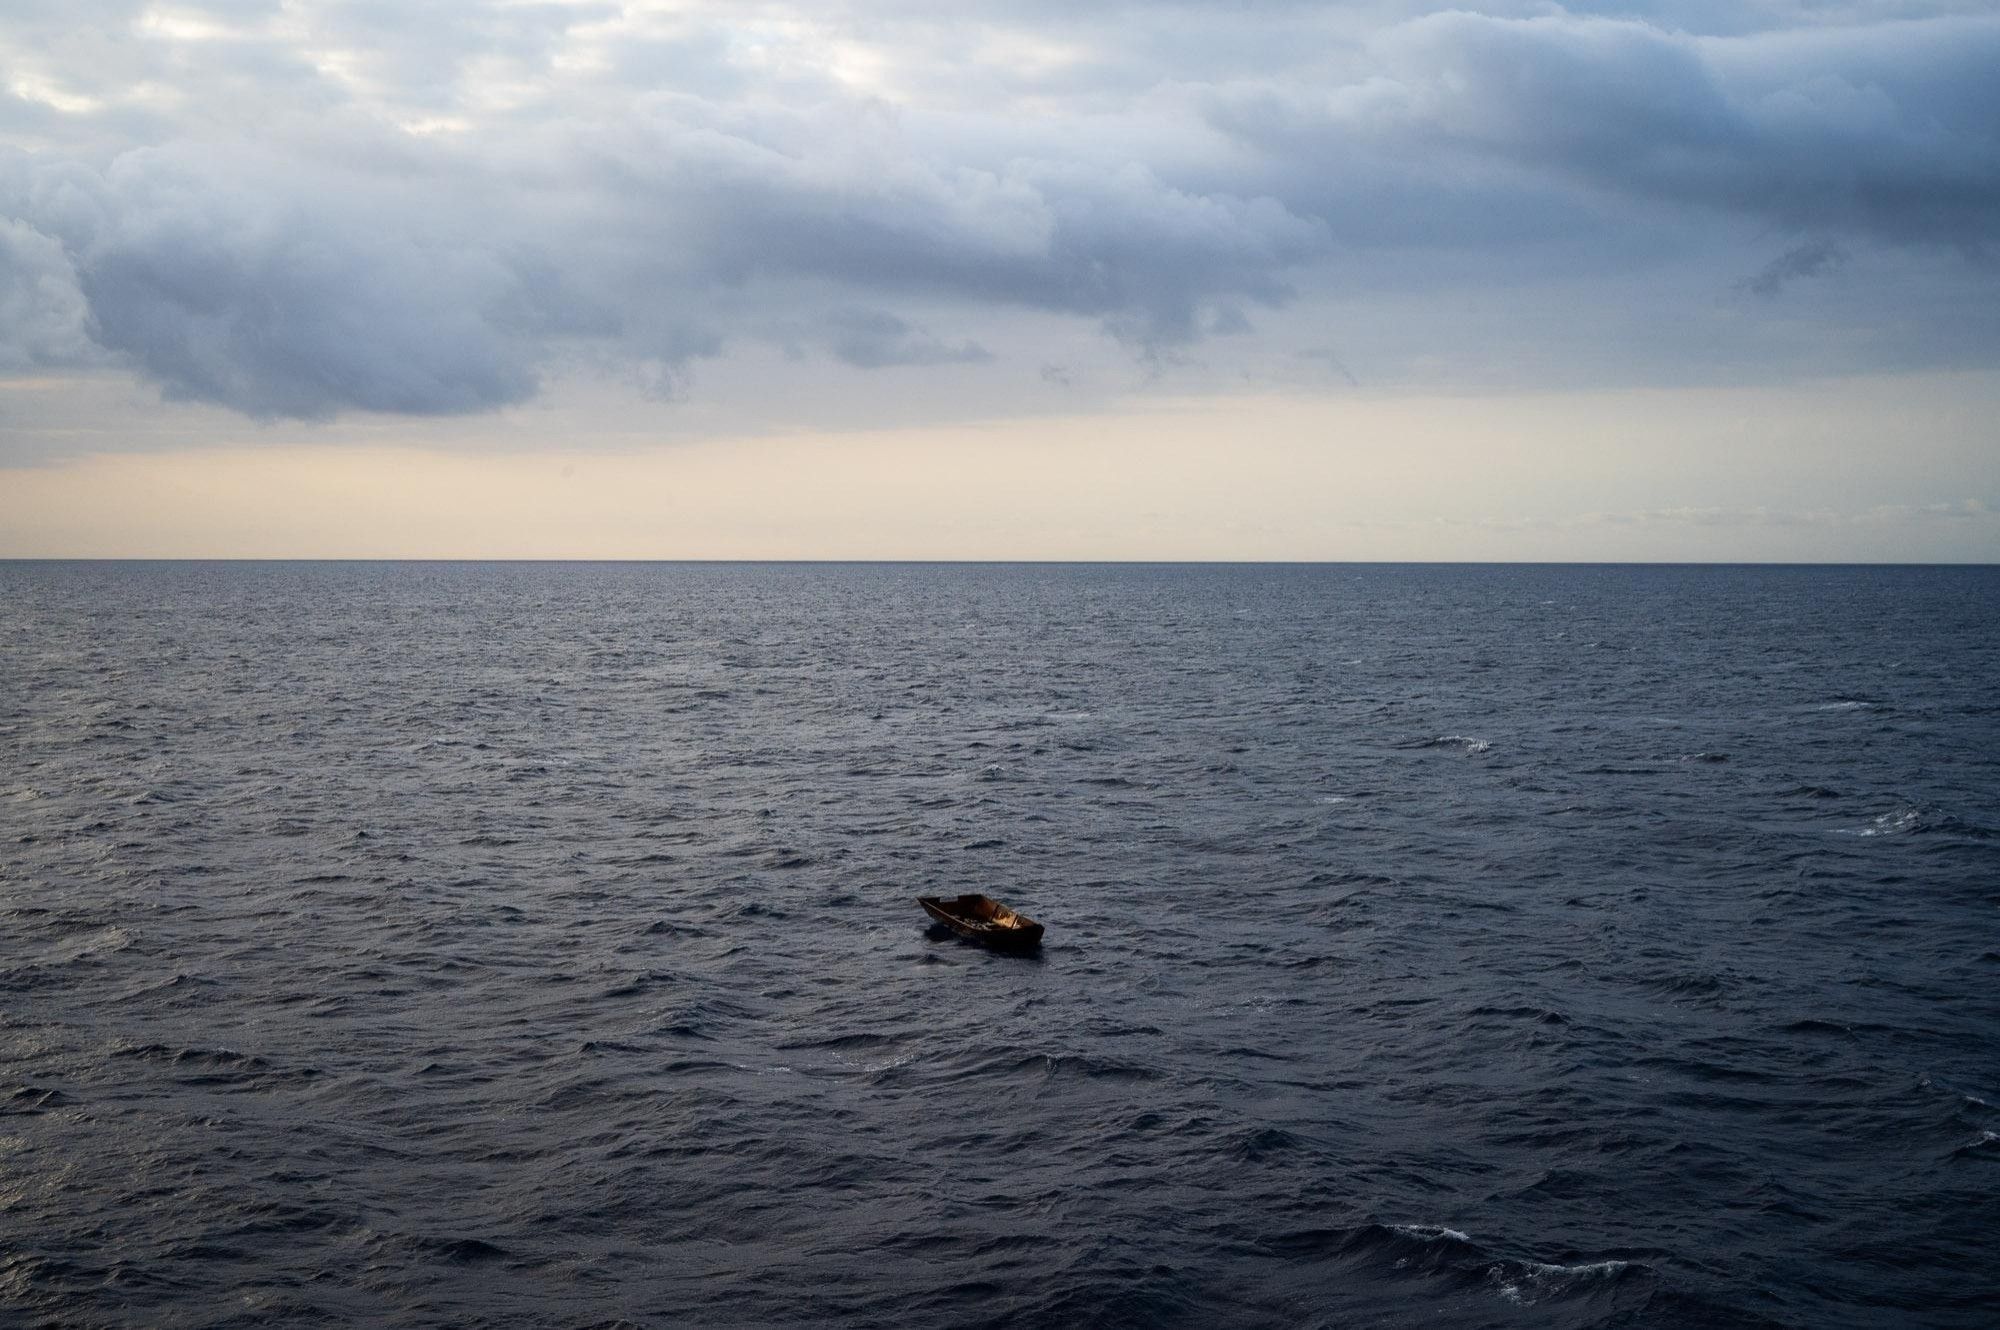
(983, 919)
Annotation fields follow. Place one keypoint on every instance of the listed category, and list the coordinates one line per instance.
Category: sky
(1004, 279)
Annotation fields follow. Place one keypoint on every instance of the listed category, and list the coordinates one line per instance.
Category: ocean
(420, 944)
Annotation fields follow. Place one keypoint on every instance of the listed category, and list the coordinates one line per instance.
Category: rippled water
(431, 944)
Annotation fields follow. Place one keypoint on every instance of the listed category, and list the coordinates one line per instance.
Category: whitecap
(1891, 824)
(1542, 1279)
(1582, 1270)
(1430, 1232)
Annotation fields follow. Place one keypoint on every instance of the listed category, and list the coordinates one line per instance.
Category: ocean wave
(1527, 1283)
(1901, 822)
(1434, 1260)
(1458, 742)
(219, 1068)
(1925, 820)
(1985, 1146)
(30, 1100)
(543, 949)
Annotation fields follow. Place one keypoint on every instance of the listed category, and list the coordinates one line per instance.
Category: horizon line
(1013, 563)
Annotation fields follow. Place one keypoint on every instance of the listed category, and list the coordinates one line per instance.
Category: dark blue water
(461, 945)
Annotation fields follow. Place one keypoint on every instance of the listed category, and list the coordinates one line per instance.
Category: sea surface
(499, 944)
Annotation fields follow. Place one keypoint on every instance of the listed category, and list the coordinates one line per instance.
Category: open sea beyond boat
(461, 944)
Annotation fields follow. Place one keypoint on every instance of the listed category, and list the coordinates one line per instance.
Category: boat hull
(984, 920)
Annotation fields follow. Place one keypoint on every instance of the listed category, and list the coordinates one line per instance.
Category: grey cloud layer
(1891, 131)
(244, 281)
(298, 210)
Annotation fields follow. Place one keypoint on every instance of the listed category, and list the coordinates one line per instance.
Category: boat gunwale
(1006, 928)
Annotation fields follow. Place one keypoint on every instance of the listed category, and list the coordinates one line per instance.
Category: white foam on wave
(1465, 741)
(1924, 1082)
(1582, 1270)
(1890, 824)
(1430, 1232)
(1331, 799)
(1538, 1279)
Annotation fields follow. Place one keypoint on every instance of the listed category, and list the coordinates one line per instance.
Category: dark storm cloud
(302, 209)
(1890, 132)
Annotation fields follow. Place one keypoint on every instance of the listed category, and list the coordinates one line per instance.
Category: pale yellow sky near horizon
(1727, 474)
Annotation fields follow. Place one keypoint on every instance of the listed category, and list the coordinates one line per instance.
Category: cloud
(1959, 511)
(1810, 259)
(44, 317)
(364, 270)
(873, 339)
(1886, 131)
(297, 210)
(283, 293)
(1327, 357)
